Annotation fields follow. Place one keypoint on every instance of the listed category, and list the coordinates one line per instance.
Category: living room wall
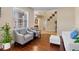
(77, 17)
(66, 19)
(7, 16)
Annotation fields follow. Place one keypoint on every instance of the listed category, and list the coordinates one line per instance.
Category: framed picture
(36, 21)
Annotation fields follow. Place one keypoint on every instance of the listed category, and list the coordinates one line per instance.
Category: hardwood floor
(38, 44)
(48, 32)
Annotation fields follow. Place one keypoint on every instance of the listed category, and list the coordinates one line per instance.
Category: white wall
(77, 17)
(7, 16)
(66, 19)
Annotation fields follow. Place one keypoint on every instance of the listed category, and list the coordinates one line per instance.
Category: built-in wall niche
(20, 18)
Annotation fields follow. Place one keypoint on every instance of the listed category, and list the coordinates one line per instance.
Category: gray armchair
(37, 32)
(23, 36)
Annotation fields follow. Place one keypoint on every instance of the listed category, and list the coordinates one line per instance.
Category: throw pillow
(23, 31)
(74, 34)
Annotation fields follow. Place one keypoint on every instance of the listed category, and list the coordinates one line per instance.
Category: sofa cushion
(74, 34)
(23, 31)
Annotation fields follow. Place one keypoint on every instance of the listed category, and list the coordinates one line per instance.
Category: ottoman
(55, 39)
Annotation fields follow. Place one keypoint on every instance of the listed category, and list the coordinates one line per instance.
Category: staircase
(52, 15)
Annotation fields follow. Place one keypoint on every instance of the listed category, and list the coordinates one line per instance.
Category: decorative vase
(6, 46)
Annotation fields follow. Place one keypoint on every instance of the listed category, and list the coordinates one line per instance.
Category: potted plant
(6, 37)
(77, 39)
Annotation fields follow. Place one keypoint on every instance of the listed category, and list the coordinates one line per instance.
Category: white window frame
(15, 17)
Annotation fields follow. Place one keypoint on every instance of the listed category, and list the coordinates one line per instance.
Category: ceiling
(44, 8)
(41, 11)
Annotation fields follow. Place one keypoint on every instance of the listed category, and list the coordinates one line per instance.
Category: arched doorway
(46, 21)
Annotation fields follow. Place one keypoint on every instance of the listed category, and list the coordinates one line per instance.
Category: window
(20, 18)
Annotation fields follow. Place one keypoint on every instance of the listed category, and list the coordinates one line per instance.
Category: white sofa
(23, 38)
(69, 42)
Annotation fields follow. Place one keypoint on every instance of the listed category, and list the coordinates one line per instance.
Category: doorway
(46, 21)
